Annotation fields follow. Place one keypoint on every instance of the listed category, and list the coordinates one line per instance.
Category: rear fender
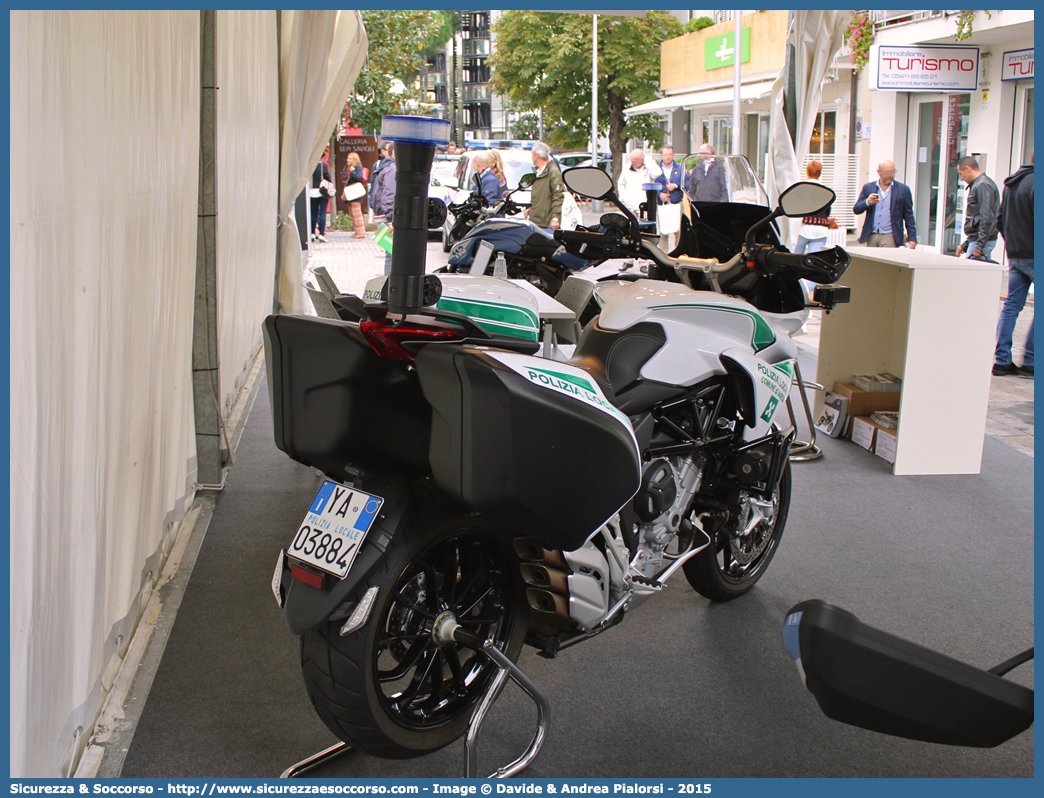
(307, 607)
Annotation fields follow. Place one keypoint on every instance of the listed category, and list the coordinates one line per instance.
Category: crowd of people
(886, 205)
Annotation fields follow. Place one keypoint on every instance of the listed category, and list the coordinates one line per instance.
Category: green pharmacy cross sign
(719, 50)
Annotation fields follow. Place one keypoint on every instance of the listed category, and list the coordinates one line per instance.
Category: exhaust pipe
(534, 552)
(547, 602)
(543, 577)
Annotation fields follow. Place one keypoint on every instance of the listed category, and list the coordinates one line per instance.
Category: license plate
(334, 528)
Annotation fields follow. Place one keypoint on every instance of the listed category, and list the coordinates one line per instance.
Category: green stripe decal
(502, 319)
(763, 336)
(580, 382)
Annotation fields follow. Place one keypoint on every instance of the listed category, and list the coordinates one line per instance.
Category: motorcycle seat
(615, 357)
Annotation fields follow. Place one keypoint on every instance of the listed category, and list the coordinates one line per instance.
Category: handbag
(327, 189)
(668, 219)
(354, 191)
(313, 193)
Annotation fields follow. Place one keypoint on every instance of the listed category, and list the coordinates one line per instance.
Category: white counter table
(930, 319)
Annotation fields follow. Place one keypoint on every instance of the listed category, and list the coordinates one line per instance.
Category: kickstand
(315, 760)
(506, 668)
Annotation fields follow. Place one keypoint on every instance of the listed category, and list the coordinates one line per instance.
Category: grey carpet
(680, 688)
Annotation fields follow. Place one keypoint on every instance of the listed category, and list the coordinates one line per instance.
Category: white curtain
(104, 162)
(816, 36)
(321, 55)
(247, 187)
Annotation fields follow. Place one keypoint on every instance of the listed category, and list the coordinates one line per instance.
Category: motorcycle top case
(336, 403)
(530, 442)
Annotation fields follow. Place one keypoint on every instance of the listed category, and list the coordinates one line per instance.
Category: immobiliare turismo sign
(927, 68)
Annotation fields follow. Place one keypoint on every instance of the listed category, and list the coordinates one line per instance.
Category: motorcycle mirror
(870, 679)
(588, 181)
(805, 199)
(527, 180)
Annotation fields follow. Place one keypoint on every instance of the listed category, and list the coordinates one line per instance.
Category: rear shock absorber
(415, 138)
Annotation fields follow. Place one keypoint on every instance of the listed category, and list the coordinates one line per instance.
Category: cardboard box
(884, 446)
(863, 432)
(867, 432)
(863, 403)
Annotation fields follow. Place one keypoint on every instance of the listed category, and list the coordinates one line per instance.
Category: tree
(543, 60)
(398, 41)
(526, 127)
(699, 23)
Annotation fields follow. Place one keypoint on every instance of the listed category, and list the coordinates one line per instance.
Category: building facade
(696, 77)
(457, 79)
(930, 100)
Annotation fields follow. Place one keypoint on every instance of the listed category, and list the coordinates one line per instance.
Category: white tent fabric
(816, 36)
(322, 52)
(104, 163)
(247, 180)
(105, 139)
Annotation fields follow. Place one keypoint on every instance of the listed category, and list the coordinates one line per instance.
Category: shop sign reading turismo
(1017, 65)
(927, 68)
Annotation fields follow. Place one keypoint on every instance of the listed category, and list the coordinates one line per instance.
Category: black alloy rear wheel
(389, 688)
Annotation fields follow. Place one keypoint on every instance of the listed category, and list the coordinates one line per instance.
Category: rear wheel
(389, 688)
(737, 558)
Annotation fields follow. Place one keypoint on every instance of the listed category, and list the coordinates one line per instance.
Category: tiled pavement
(352, 262)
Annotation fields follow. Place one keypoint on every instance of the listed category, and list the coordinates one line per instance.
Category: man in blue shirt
(673, 178)
(888, 205)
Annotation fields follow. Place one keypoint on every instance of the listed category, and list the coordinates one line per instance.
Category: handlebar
(579, 237)
(684, 262)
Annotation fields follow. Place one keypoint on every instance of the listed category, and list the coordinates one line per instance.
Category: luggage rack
(449, 630)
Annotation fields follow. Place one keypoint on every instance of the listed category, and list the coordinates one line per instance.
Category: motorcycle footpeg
(647, 582)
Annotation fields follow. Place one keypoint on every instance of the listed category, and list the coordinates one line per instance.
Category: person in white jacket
(632, 178)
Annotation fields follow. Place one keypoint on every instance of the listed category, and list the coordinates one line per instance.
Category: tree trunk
(616, 125)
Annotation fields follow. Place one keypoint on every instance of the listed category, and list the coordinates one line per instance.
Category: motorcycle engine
(668, 486)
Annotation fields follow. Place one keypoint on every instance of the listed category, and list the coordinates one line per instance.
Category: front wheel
(737, 558)
(389, 688)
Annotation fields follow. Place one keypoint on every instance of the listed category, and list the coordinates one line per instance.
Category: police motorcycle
(475, 209)
(530, 252)
(874, 680)
(477, 498)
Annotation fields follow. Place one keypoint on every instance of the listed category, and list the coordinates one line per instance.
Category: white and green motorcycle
(479, 497)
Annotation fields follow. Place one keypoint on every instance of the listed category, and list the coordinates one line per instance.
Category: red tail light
(309, 578)
(387, 338)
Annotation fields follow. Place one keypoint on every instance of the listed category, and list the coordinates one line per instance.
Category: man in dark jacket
(980, 213)
(707, 181)
(888, 205)
(1015, 223)
(548, 190)
(383, 202)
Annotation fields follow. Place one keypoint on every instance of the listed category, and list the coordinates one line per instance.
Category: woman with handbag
(814, 230)
(354, 191)
(319, 194)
